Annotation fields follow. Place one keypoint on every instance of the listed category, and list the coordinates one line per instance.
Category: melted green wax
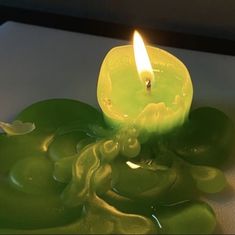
(74, 175)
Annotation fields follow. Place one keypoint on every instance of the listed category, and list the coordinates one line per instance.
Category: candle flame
(142, 61)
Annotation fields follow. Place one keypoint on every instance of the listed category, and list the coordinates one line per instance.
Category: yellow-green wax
(126, 100)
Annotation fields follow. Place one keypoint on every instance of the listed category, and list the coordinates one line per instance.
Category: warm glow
(142, 61)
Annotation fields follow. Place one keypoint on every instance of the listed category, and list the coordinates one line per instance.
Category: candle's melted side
(74, 175)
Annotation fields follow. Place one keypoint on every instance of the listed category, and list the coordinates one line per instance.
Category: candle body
(123, 97)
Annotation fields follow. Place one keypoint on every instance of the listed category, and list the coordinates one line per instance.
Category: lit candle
(148, 88)
(74, 175)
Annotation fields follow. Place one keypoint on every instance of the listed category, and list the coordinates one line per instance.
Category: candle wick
(148, 84)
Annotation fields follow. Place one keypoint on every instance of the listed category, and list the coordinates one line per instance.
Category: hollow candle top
(158, 104)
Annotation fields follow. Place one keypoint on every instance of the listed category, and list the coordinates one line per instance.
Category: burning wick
(148, 84)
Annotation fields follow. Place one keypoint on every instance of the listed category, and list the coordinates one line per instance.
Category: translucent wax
(72, 174)
(123, 96)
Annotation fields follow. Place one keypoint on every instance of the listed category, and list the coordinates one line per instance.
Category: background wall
(213, 18)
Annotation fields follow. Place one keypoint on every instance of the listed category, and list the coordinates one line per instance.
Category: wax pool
(73, 174)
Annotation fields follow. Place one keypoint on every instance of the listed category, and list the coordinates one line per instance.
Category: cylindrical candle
(126, 100)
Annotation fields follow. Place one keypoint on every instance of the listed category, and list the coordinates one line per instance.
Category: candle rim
(148, 47)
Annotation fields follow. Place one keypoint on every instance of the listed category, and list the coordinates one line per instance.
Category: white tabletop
(38, 63)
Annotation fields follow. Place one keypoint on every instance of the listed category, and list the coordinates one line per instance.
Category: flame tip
(136, 32)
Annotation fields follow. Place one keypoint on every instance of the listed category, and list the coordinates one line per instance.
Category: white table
(38, 63)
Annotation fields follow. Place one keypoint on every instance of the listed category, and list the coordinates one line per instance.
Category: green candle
(74, 175)
(157, 99)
